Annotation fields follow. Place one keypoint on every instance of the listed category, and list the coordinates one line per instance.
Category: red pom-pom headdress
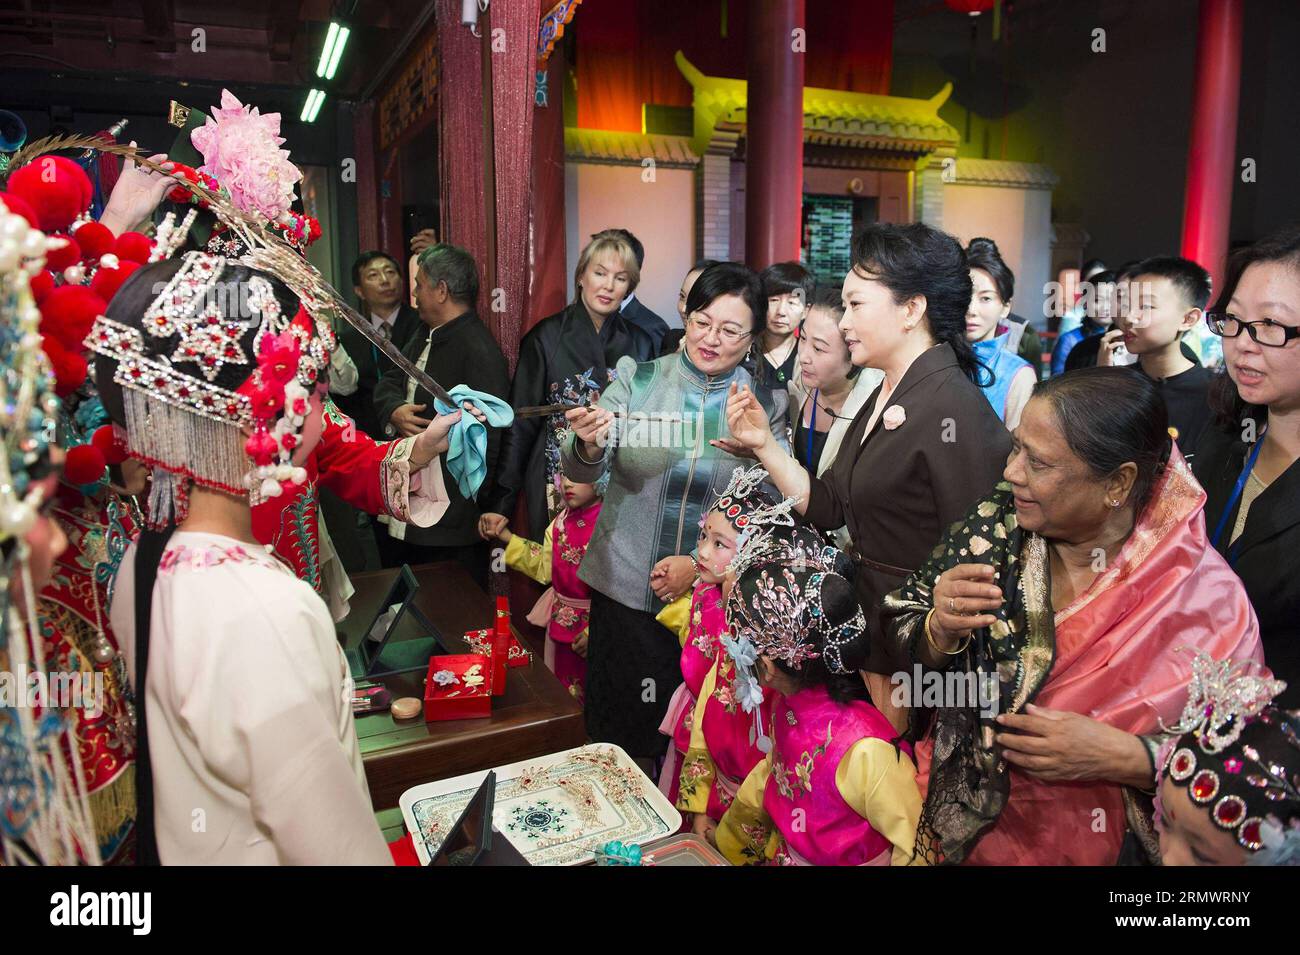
(89, 267)
(84, 464)
(55, 188)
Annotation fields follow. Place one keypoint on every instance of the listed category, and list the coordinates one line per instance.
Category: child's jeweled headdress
(1238, 757)
(776, 602)
(743, 496)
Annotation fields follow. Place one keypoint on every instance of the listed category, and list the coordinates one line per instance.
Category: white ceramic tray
(556, 809)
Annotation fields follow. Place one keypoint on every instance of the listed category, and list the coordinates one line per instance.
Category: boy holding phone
(1166, 298)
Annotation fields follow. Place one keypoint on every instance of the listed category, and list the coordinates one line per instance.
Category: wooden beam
(282, 30)
(230, 54)
(160, 23)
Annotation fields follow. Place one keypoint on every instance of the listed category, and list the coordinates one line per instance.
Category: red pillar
(363, 134)
(513, 61)
(548, 291)
(774, 132)
(1211, 154)
(460, 136)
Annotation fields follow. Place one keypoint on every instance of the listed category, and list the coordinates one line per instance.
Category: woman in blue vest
(1012, 378)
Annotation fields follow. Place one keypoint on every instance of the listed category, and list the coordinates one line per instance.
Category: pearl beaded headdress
(46, 817)
(28, 405)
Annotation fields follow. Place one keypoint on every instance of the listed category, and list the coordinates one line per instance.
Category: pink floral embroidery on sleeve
(396, 472)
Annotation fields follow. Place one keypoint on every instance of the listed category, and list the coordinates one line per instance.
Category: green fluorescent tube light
(330, 39)
(312, 106)
(335, 40)
(337, 55)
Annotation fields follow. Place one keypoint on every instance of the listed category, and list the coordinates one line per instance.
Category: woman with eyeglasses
(1247, 463)
(925, 443)
(660, 431)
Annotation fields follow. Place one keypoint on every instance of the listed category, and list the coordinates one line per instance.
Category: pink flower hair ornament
(241, 150)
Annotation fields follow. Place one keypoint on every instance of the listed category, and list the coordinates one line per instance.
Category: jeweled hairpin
(1220, 699)
(169, 237)
(771, 535)
(744, 482)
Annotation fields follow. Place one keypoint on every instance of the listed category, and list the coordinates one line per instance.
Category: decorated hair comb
(1240, 762)
(1220, 699)
(768, 534)
(745, 482)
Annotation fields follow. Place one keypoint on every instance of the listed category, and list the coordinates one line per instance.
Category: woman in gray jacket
(660, 429)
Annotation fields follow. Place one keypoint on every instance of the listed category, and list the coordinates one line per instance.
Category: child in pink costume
(716, 740)
(836, 787)
(564, 608)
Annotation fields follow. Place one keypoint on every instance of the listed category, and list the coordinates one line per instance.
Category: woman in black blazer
(1249, 464)
(925, 446)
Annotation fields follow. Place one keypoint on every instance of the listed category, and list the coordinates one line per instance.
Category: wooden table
(535, 716)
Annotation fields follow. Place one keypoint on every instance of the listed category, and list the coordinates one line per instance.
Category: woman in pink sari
(1072, 599)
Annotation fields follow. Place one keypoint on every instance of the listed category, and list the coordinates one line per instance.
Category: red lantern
(972, 7)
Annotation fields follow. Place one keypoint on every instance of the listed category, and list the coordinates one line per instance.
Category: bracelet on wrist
(929, 638)
(578, 446)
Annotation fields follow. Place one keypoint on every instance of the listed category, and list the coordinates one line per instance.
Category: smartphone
(417, 219)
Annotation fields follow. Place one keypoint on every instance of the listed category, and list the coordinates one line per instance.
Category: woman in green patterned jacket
(660, 430)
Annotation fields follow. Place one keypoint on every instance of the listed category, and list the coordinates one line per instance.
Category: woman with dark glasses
(1248, 463)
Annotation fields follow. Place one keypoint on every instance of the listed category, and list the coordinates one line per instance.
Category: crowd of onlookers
(1151, 313)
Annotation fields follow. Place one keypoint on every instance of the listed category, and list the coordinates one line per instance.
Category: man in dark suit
(454, 347)
(379, 284)
(633, 310)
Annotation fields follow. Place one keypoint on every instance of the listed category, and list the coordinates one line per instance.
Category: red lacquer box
(458, 687)
(480, 641)
(501, 642)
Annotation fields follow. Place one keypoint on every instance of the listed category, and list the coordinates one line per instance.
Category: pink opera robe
(566, 606)
(835, 790)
